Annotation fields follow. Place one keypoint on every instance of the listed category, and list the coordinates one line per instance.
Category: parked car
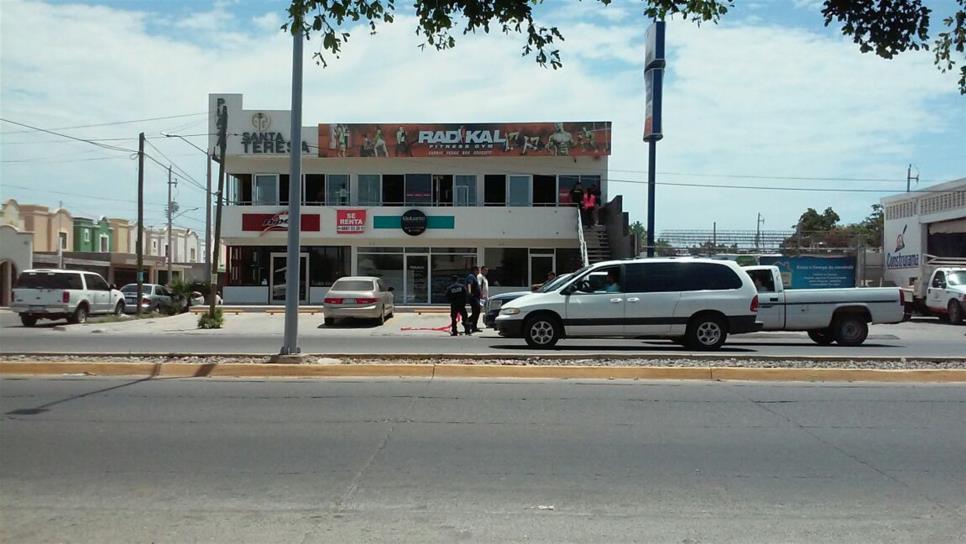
(829, 315)
(154, 298)
(695, 302)
(495, 302)
(198, 299)
(358, 297)
(59, 294)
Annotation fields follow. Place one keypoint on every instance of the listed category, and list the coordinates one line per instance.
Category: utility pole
(758, 232)
(60, 245)
(910, 177)
(222, 122)
(208, 213)
(293, 263)
(170, 253)
(140, 240)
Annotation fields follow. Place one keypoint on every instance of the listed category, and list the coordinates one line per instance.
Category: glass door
(277, 286)
(541, 264)
(416, 290)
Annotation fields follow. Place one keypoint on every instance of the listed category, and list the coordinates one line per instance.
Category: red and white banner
(270, 222)
(570, 139)
(350, 221)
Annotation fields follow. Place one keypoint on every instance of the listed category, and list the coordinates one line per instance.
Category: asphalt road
(410, 333)
(169, 460)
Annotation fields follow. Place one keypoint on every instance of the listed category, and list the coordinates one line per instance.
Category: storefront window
(327, 264)
(444, 267)
(508, 266)
(464, 191)
(419, 189)
(387, 266)
(314, 193)
(337, 190)
(370, 191)
(266, 190)
(252, 265)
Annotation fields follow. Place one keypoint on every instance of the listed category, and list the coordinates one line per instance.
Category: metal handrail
(580, 238)
(933, 260)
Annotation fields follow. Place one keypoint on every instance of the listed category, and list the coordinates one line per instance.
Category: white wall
(234, 294)
(17, 247)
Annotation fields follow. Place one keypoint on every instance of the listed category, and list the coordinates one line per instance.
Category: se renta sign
(350, 221)
(570, 139)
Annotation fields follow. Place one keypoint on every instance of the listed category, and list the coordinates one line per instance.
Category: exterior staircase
(598, 245)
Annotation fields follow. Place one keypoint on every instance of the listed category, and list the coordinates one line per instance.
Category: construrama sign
(590, 138)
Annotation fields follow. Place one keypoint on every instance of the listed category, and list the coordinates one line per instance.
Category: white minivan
(695, 302)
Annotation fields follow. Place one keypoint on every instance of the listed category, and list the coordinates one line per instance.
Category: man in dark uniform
(456, 295)
(473, 295)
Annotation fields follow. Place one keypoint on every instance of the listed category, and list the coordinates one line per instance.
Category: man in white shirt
(484, 285)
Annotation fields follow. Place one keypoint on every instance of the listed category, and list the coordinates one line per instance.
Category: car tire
(381, 320)
(850, 330)
(542, 331)
(821, 337)
(119, 308)
(28, 320)
(329, 321)
(79, 315)
(955, 312)
(706, 333)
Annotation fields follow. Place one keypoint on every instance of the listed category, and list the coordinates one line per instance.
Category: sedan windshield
(352, 285)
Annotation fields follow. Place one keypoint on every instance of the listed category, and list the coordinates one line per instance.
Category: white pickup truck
(945, 294)
(828, 315)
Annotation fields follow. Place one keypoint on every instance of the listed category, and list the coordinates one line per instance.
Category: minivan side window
(653, 277)
(701, 276)
(602, 280)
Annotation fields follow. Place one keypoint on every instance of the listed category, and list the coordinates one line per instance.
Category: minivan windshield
(48, 280)
(553, 284)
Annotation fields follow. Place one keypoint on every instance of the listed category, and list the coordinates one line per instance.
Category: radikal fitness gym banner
(587, 139)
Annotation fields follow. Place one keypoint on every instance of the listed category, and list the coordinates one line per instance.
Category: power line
(79, 195)
(84, 140)
(113, 123)
(766, 188)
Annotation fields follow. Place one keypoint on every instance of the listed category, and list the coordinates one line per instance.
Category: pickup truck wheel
(541, 331)
(706, 333)
(28, 320)
(79, 315)
(119, 309)
(821, 337)
(850, 330)
(955, 312)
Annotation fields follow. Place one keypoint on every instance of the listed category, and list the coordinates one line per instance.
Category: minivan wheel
(955, 312)
(79, 315)
(28, 320)
(850, 330)
(541, 332)
(706, 333)
(821, 337)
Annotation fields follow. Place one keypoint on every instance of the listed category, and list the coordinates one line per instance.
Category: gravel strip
(888, 364)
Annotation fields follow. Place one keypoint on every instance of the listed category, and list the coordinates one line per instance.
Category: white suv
(696, 302)
(58, 294)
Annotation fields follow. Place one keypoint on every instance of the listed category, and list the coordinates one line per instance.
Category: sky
(768, 98)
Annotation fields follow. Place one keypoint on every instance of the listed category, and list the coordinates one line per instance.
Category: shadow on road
(661, 347)
(46, 407)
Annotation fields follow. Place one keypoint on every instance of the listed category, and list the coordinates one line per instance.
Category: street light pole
(293, 264)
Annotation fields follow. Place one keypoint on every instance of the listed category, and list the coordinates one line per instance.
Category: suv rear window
(48, 280)
(352, 285)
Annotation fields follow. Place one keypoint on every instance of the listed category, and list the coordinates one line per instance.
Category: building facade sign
(465, 140)
(350, 221)
(414, 222)
(271, 222)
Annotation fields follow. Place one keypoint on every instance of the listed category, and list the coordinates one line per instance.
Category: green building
(93, 236)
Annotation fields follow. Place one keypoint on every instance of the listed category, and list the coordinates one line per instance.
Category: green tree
(885, 27)
(638, 228)
(813, 222)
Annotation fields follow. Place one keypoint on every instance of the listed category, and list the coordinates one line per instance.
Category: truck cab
(946, 294)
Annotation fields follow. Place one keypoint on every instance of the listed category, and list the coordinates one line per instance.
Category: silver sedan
(358, 297)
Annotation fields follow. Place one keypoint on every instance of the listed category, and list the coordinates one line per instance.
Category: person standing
(577, 196)
(456, 296)
(473, 296)
(484, 285)
(589, 209)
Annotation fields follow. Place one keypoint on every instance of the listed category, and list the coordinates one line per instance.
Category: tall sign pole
(653, 87)
(140, 238)
(293, 263)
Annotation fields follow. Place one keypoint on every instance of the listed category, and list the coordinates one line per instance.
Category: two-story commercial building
(413, 204)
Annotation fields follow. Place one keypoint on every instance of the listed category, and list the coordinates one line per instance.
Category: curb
(523, 357)
(232, 370)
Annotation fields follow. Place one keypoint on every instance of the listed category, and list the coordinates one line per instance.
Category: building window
(544, 190)
(508, 266)
(464, 191)
(240, 190)
(393, 190)
(165, 250)
(105, 244)
(419, 189)
(327, 264)
(193, 255)
(63, 239)
(370, 190)
(519, 191)
(337, 190)
(87, 236)
(314, 193)
(266, 190)
(442, 190)
(494, 190)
